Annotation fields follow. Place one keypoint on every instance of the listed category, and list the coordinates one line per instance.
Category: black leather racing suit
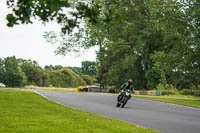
(124, 87)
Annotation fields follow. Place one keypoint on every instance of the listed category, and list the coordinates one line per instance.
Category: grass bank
(51, 89)
(27, 112)
(175, 99)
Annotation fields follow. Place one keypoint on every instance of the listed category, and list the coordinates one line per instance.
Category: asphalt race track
(167, 118)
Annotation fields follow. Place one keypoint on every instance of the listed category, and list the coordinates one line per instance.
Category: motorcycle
(123, 98)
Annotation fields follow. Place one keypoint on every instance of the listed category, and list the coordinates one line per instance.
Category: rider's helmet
(130, 81)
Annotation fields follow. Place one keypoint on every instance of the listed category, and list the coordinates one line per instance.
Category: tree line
(154, 42)
(20, 72)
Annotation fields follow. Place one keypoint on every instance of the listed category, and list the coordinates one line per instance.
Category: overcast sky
(27, 42)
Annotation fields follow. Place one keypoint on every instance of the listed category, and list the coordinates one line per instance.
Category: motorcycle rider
(126, 86)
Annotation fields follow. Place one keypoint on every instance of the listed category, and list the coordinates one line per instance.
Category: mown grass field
(175, 99)
(27, 112)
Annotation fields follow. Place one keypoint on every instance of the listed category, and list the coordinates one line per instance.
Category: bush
(190, 92)
(167, 89)
(169, 92)
(160, 87)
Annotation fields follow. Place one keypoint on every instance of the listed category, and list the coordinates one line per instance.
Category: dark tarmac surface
(163, 117)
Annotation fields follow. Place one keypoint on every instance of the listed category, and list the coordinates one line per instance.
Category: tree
(13, 74)
(117, 61)
(67, 13)
(88, 79)
(35, 74)
(51, 67)
(76, 70)
(192, 62)
(89, 68)
(2, 70)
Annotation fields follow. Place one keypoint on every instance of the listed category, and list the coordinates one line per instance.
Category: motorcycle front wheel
(118, 104)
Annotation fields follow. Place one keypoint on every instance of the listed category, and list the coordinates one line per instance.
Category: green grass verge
(27, 112)
(175, 99)
(40, 89)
